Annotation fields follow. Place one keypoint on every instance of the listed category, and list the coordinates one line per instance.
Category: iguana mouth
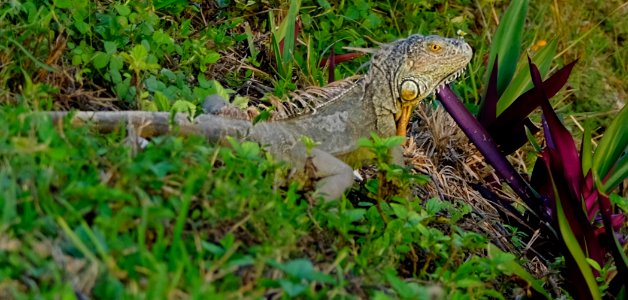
(450, 78)
(406, 110)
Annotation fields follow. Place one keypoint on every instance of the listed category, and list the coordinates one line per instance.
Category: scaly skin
(402, 74)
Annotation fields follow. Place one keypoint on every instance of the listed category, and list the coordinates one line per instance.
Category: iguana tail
(148, 124)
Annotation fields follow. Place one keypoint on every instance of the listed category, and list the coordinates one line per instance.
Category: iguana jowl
(401, 74)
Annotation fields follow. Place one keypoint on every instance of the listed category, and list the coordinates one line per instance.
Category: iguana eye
(409, 90)
(435, 47)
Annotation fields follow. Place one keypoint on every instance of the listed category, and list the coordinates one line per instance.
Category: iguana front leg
(333, 176)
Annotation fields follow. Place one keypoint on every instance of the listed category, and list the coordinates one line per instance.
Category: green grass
(81, 212)
(183, 218)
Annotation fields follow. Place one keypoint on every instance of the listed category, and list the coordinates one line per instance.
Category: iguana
(401, 74)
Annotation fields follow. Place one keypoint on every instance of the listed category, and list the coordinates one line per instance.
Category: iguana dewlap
(401, 74)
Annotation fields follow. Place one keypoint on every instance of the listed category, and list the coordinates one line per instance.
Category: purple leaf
(575, 235)
(483, 141)
(562, 161)
(610, 221)
(540, 181)
(488, 113)
(559, 141)
(513, 117)
(334, 59)
(509, 141)
(338, 58)
(590, 194)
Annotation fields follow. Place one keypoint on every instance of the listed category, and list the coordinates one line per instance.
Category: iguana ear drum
(409, 90)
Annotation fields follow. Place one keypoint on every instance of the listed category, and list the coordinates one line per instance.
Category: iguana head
(415, 67)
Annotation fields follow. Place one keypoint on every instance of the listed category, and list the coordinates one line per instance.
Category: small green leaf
(212, 248)
(393, 141)
(161, 101)
(211, 57)
(220, 90)
(400, 210)
(509, 266)
(304, 269)
(116, 62)
(81, 26)
(241, 102)
(100, 60)
(594, 264)
(110, 47)
(184, 106)
(122, 10)
(291, 288)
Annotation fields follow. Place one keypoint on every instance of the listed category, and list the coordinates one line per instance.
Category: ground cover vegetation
(88, 216)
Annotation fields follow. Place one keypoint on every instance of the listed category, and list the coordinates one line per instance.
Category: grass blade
(291, 32)
(586, 149)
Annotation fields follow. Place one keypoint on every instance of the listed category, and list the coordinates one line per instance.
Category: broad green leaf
(618, 175)
(574, 248)
(507, 43)
(522, 82)
(288, 39)
(611, 146)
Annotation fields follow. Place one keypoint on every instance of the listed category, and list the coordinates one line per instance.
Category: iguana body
(401, 74)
